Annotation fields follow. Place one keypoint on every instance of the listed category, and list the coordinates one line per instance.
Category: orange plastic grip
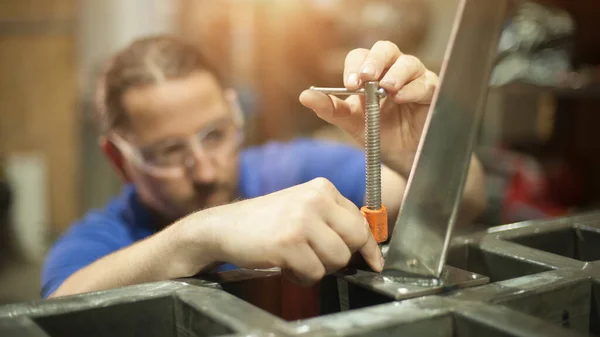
(377, 220)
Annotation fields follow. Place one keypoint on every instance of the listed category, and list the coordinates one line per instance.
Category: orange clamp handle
(377, 220)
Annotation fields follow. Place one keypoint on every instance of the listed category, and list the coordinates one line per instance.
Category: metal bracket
(430, 208)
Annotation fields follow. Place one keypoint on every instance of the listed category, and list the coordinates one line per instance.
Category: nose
(202, 168)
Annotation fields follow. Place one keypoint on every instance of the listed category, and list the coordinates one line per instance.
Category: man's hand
(410, 88)
(308, 230)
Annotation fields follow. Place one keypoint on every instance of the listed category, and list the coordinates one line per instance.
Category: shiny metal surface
(372, 93)
(372, 146)
(346, 92)
(429, 211)
(374, 211)
(531, 292)
(403, 288)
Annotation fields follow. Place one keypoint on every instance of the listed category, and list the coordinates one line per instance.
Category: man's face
(186, 126)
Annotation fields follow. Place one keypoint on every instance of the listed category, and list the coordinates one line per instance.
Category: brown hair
(145, 61)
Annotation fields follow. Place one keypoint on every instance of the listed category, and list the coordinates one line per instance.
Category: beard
(170, 209)
(210, 195)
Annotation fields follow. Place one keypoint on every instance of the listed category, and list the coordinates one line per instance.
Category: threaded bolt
(372, 94)
(372, 146)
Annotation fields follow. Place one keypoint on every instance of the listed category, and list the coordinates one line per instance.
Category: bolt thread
(372, 146)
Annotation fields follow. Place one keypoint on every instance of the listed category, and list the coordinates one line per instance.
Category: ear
(115, 157)
(232, 99)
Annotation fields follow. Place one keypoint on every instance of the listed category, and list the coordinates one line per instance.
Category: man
(172, 131)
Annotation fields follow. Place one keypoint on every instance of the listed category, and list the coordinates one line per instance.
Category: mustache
(202, 188)
(205, 189)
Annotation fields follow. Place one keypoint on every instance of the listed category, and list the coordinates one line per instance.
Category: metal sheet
(430, 208)
(400, 289)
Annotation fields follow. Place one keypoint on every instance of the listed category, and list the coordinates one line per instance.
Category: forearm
(160, 257)
(474, 194)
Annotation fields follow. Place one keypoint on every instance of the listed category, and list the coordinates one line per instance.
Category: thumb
(334, 110)
(372, 254)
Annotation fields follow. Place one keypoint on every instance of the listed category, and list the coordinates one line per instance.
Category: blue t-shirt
(263, 170)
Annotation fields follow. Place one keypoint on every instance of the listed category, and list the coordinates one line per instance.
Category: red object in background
(276, 294)
(565, 183)
(533, 194)
(299, 302)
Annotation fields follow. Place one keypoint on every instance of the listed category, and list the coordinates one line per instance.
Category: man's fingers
(333, 201)
(320, 103)
(381, 57)
(333, 110)
(372, 254)
(353, 228)
(350, 225)
(406, 69)
(344, 203)
(329, 247)
(354, 60)
(421, 90)
(304, 263)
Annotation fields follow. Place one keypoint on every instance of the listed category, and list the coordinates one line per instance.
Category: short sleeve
(277, 166)
(94, 237)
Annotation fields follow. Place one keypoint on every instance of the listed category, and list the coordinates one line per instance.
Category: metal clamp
(374, 211)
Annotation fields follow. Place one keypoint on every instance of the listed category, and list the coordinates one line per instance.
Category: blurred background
(538, 142)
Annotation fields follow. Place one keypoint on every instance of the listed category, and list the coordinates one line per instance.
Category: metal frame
(532, 292)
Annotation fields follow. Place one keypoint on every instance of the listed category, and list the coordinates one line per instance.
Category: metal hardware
(374, 211)
(372, 146)
(347, 92)
(431, 204)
